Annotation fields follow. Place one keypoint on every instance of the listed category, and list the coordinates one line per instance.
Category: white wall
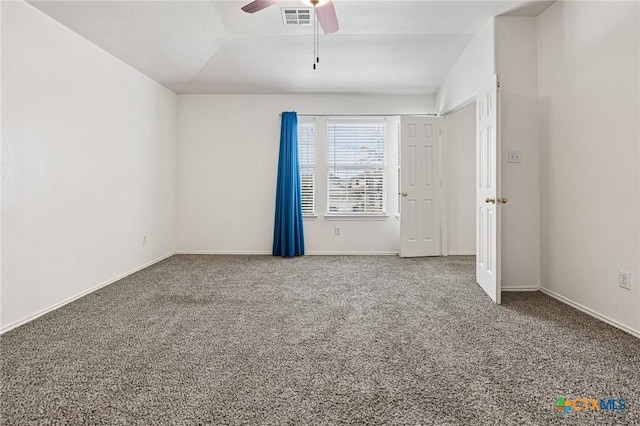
(471, 71)
(590, 159)
(461, 180)
(516, 64)
(227, 162)
(88, 166)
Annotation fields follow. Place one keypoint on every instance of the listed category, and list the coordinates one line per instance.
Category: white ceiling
(204, 47)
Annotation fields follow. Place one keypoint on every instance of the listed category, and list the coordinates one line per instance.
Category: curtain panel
(288, 234)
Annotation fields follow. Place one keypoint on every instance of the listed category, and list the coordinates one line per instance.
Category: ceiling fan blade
(258, 5)
(327, 18)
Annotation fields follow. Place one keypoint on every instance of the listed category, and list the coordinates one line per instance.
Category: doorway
(460, 166)
(438, 154)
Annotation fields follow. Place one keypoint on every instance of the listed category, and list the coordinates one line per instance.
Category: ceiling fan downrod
(316, 35)
(316, 41)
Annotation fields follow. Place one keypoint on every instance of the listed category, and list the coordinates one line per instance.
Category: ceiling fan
(324, 10)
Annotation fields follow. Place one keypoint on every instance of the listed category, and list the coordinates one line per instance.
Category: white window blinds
(356, 162)
(306, 156)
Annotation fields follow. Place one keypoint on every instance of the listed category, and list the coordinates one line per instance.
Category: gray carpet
(313, 340)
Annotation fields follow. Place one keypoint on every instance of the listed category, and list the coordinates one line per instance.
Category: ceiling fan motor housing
(315, 3)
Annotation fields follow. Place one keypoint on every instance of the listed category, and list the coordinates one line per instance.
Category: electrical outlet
(337, 230)
(144, 239)
(624, 279)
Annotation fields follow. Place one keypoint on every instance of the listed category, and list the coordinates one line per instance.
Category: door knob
(502, 200)
(490, 200)
(404, 194)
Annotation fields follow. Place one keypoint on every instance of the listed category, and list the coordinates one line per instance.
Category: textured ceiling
(213, 47)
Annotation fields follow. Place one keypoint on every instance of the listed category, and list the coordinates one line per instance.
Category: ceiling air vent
(298, 16)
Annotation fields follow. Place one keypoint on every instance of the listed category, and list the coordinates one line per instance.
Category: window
(356, 164)
(306, 156)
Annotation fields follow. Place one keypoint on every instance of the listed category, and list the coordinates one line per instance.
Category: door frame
(444, 155)
(444, 189)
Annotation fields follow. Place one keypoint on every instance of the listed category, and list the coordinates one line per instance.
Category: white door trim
(444, 189)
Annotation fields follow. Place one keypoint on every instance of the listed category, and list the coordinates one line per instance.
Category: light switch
(515, 157)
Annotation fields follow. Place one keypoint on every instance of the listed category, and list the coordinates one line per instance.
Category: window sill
(339, 216)
(309, 216)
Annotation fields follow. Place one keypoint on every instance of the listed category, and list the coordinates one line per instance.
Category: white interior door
(420, 187)
(487, 190)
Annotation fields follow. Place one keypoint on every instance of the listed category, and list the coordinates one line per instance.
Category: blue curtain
(288, 236)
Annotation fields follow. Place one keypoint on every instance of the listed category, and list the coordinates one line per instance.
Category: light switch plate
(515, 157)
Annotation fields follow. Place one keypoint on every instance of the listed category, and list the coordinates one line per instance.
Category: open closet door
(420, 187)
(487, 190)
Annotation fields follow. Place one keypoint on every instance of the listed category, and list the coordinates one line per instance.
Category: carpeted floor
(313, 340)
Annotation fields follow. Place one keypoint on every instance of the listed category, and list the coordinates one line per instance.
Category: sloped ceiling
(206, 47)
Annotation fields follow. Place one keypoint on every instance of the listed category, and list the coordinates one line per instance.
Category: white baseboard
(507, 288)
(223, 252)
(461, 253)
(588, 311)
(68, 300)
(308, 253)
(352, 253)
